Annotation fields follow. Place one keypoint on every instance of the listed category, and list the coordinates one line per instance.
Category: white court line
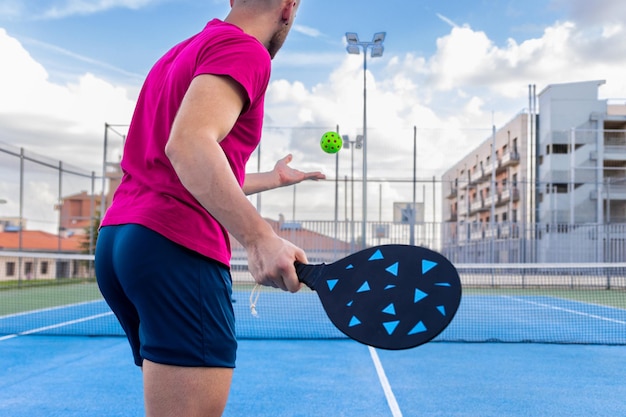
(42, 310)
(567, 310)
(54, 326)
(384, 382)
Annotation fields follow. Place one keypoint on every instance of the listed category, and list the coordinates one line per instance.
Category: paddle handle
(308, 274)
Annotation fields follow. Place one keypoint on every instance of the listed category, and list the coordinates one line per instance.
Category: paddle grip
(308, 274)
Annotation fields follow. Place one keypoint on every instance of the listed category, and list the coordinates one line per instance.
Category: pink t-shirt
(150, 193)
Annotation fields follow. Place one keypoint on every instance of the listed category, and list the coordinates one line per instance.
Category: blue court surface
(292, 362)
(94, 376)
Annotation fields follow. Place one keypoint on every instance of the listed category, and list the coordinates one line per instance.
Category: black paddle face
(390, 296)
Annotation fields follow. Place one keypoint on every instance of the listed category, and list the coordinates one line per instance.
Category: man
(163, 251)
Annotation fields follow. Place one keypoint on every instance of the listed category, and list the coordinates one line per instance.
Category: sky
(451, 69)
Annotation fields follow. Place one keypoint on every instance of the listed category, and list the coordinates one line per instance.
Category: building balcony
(478, 205)
(509, 195)
(477, 176)
(452, 193)
(615, 153)
(491, 232)
(489, 168)
(510, 159)
(615, 138)
(476, 234)
(452, 217)
(612, 193)
(480, 231)
(492, 199)
(506, 231)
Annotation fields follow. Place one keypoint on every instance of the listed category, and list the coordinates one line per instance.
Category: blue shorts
(173, 303)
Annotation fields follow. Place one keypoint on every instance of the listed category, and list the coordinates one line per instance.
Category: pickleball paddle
(390, 296)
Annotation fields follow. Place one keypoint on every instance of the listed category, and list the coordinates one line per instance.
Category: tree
(88, 244)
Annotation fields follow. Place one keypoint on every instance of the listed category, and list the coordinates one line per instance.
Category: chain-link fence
(488, 220)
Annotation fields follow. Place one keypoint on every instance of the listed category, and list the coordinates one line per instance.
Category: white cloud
(308, 31)
(37, 112)
(598, 12)
(447, 20)
(451, 98)
(455, 95)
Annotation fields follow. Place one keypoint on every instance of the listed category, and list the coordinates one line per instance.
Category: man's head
(268, 20)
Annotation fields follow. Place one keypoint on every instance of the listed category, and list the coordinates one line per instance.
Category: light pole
(352, 145)
(354, 47)
(106, 163)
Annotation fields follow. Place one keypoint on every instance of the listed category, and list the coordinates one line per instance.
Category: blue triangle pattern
(377, 255)
(390, 326)
(354, 322)
(442, 310)
(350, 304)
(393, 269)
(350, 266)
(419, 295)
(427, 265)
(419, 328)
(364, 288)
(331, 283)
(390, 309)
(443, 284)
(390, 286)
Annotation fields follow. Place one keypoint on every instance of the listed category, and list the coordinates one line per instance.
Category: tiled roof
(308, 240)
(35, 240)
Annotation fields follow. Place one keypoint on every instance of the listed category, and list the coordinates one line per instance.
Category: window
(556, 188)
(43, 267)
(10, 269)
(28, 269)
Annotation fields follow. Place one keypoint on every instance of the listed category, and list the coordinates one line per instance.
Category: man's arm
(282, 175)
(208, 112)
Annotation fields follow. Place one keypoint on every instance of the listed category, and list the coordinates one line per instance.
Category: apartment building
(484, 193)
(549, 186)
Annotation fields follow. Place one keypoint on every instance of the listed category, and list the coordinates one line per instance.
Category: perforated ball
(331, 142)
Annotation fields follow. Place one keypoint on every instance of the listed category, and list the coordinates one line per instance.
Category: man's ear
(288, 10)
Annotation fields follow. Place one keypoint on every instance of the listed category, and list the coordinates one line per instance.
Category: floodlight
(379, 37)
(377, 51)
(353, 49)
(359, 142)
(352, 38)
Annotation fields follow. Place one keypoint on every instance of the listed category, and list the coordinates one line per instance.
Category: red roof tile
(35, 240)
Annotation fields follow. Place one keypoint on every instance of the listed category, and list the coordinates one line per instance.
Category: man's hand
(282, 175)
(289, 176)
(271, 263)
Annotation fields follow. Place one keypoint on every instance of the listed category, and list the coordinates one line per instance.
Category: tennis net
(56, 294)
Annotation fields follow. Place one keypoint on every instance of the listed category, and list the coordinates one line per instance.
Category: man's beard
(277, 41)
